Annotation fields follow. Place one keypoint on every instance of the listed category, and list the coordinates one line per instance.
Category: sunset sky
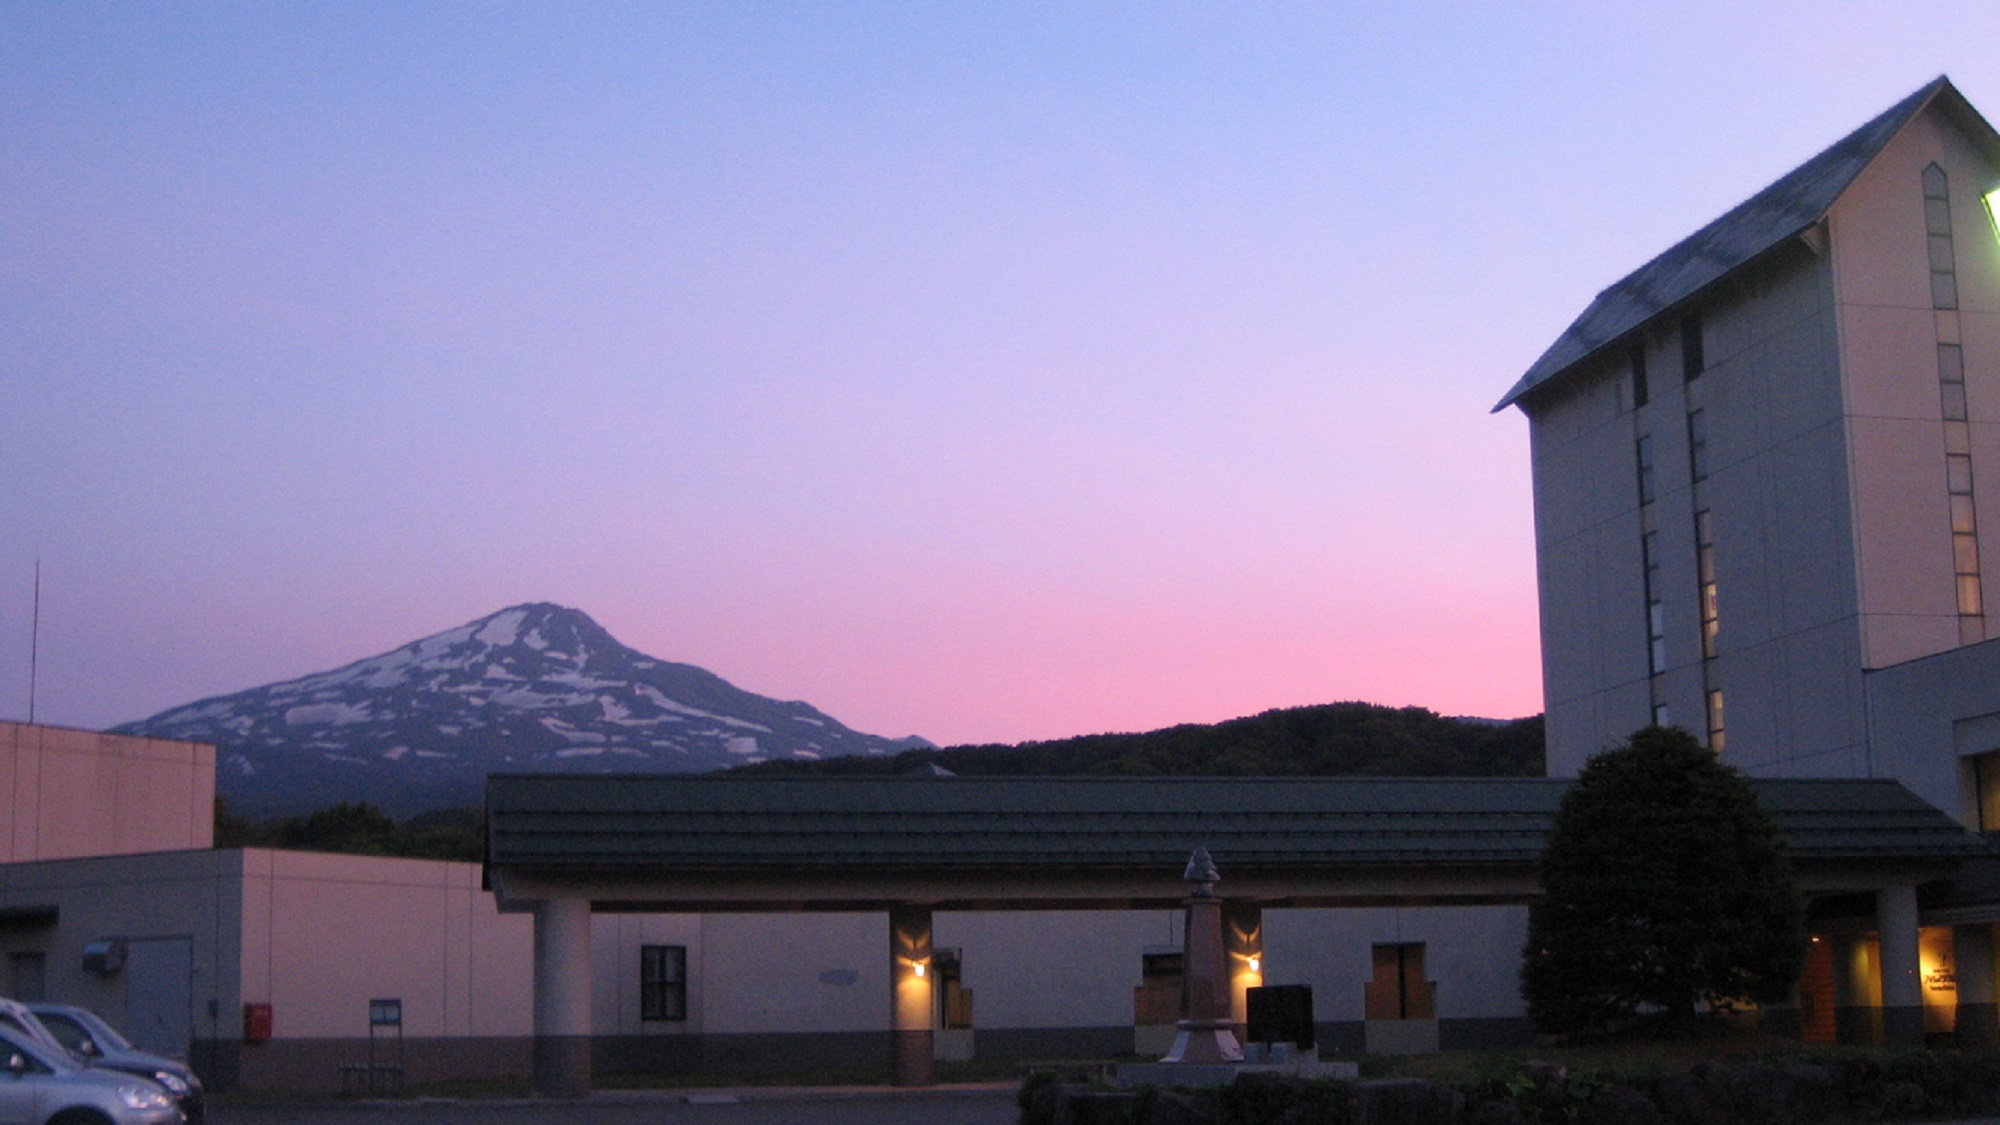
(984, 372)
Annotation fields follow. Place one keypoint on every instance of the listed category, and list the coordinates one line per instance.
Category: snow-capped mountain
(531, 688)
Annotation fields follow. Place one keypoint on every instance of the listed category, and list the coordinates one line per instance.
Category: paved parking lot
(982, 1105)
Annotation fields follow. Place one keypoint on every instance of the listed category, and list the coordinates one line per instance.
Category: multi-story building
(1767, 474)
(1767, 510)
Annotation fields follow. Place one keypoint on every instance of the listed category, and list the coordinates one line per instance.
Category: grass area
(1638, 1058)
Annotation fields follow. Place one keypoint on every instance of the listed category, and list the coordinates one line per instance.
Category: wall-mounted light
(1993, 207)
(919, 969)
(1256, 964)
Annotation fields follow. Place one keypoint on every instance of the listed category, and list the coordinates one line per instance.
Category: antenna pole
(34, 641)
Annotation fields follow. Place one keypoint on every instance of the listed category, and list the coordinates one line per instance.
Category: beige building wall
(325, 934)
(1889, 335)
(70, 793)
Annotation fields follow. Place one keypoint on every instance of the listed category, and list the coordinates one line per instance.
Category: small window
(1715, 735)
(1661, 716)
(1953, 395)
(663, 982)
(1951, 363)
(1692, 361)
(1645, 452)
(1937, 217)
(1698, 443)
(1963, 522)
(1640, 392)
(1970, 604)
(1936, 186)
(1958, 472)
(1944, 291)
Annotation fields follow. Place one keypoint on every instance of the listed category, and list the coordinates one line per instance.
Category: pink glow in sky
(982, 372)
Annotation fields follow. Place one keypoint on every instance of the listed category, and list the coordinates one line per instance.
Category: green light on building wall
(1993, 207)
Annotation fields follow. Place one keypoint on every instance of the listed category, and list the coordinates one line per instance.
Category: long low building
(1452, 861)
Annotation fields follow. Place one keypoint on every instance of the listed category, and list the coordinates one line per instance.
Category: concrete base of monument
(1258, 1058)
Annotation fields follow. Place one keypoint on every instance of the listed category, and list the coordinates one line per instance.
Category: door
(159, 994)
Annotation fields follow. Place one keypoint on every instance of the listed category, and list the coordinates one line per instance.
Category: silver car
(86, 1035)
(41, 1083)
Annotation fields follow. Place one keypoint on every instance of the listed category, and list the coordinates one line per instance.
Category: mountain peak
(535, 686)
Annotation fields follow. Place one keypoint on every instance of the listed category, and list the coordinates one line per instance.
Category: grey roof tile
(686, 822)
(1796, 201)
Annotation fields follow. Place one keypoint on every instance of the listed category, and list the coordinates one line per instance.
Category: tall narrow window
(1704, 547)
(1953, 408)
(1715, 735)
(1640, 392)
(1937, 229)
(1698, 443)
(1656, 623)
(663, 982)
(1693, 362)
(1645, 469)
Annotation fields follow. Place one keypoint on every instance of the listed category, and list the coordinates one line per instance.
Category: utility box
(104, 956)
(256, 1023)
(1280, 1013)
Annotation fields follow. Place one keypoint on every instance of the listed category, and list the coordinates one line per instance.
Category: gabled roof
(685, 823)
(1781, 211)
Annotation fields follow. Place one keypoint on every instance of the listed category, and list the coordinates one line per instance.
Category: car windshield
(50, 1058)
(82, 1024)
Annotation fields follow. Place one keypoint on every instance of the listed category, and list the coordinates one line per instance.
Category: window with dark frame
(1704, 546)
(1937, 229)
(663, 982)
(1970, 596)
(1698, 443)
(1645, 455)
(1656, 621)
(1693, 363)
(1641, 394)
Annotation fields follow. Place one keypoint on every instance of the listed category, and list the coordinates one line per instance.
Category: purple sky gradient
(981, 372)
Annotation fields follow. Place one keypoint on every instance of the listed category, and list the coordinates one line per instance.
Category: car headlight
(140, 1097)
(172, 1082)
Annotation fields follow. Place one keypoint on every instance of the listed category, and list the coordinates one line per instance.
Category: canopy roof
(995, 842)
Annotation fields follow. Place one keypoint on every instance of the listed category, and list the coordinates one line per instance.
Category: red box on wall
(256, 1023)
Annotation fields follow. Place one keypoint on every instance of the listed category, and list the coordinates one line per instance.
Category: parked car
(41, 1083)
(88, 1036)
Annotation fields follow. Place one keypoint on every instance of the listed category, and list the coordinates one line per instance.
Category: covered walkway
(567, 846)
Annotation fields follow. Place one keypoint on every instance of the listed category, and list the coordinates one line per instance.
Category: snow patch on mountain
(533, 687)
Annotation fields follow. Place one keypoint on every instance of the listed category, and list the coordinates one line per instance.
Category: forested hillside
(1334, 739)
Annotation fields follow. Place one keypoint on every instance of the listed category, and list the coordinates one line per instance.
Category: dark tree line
(1334, 739)
(359, 828)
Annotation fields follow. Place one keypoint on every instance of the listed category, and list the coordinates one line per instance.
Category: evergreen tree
(1664, 886)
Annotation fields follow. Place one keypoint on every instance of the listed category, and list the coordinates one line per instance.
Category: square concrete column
(562, 998)
(1902, 974)
(1853, 1002)
(1972, 961)
(1243, 942)
(913, 1000)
